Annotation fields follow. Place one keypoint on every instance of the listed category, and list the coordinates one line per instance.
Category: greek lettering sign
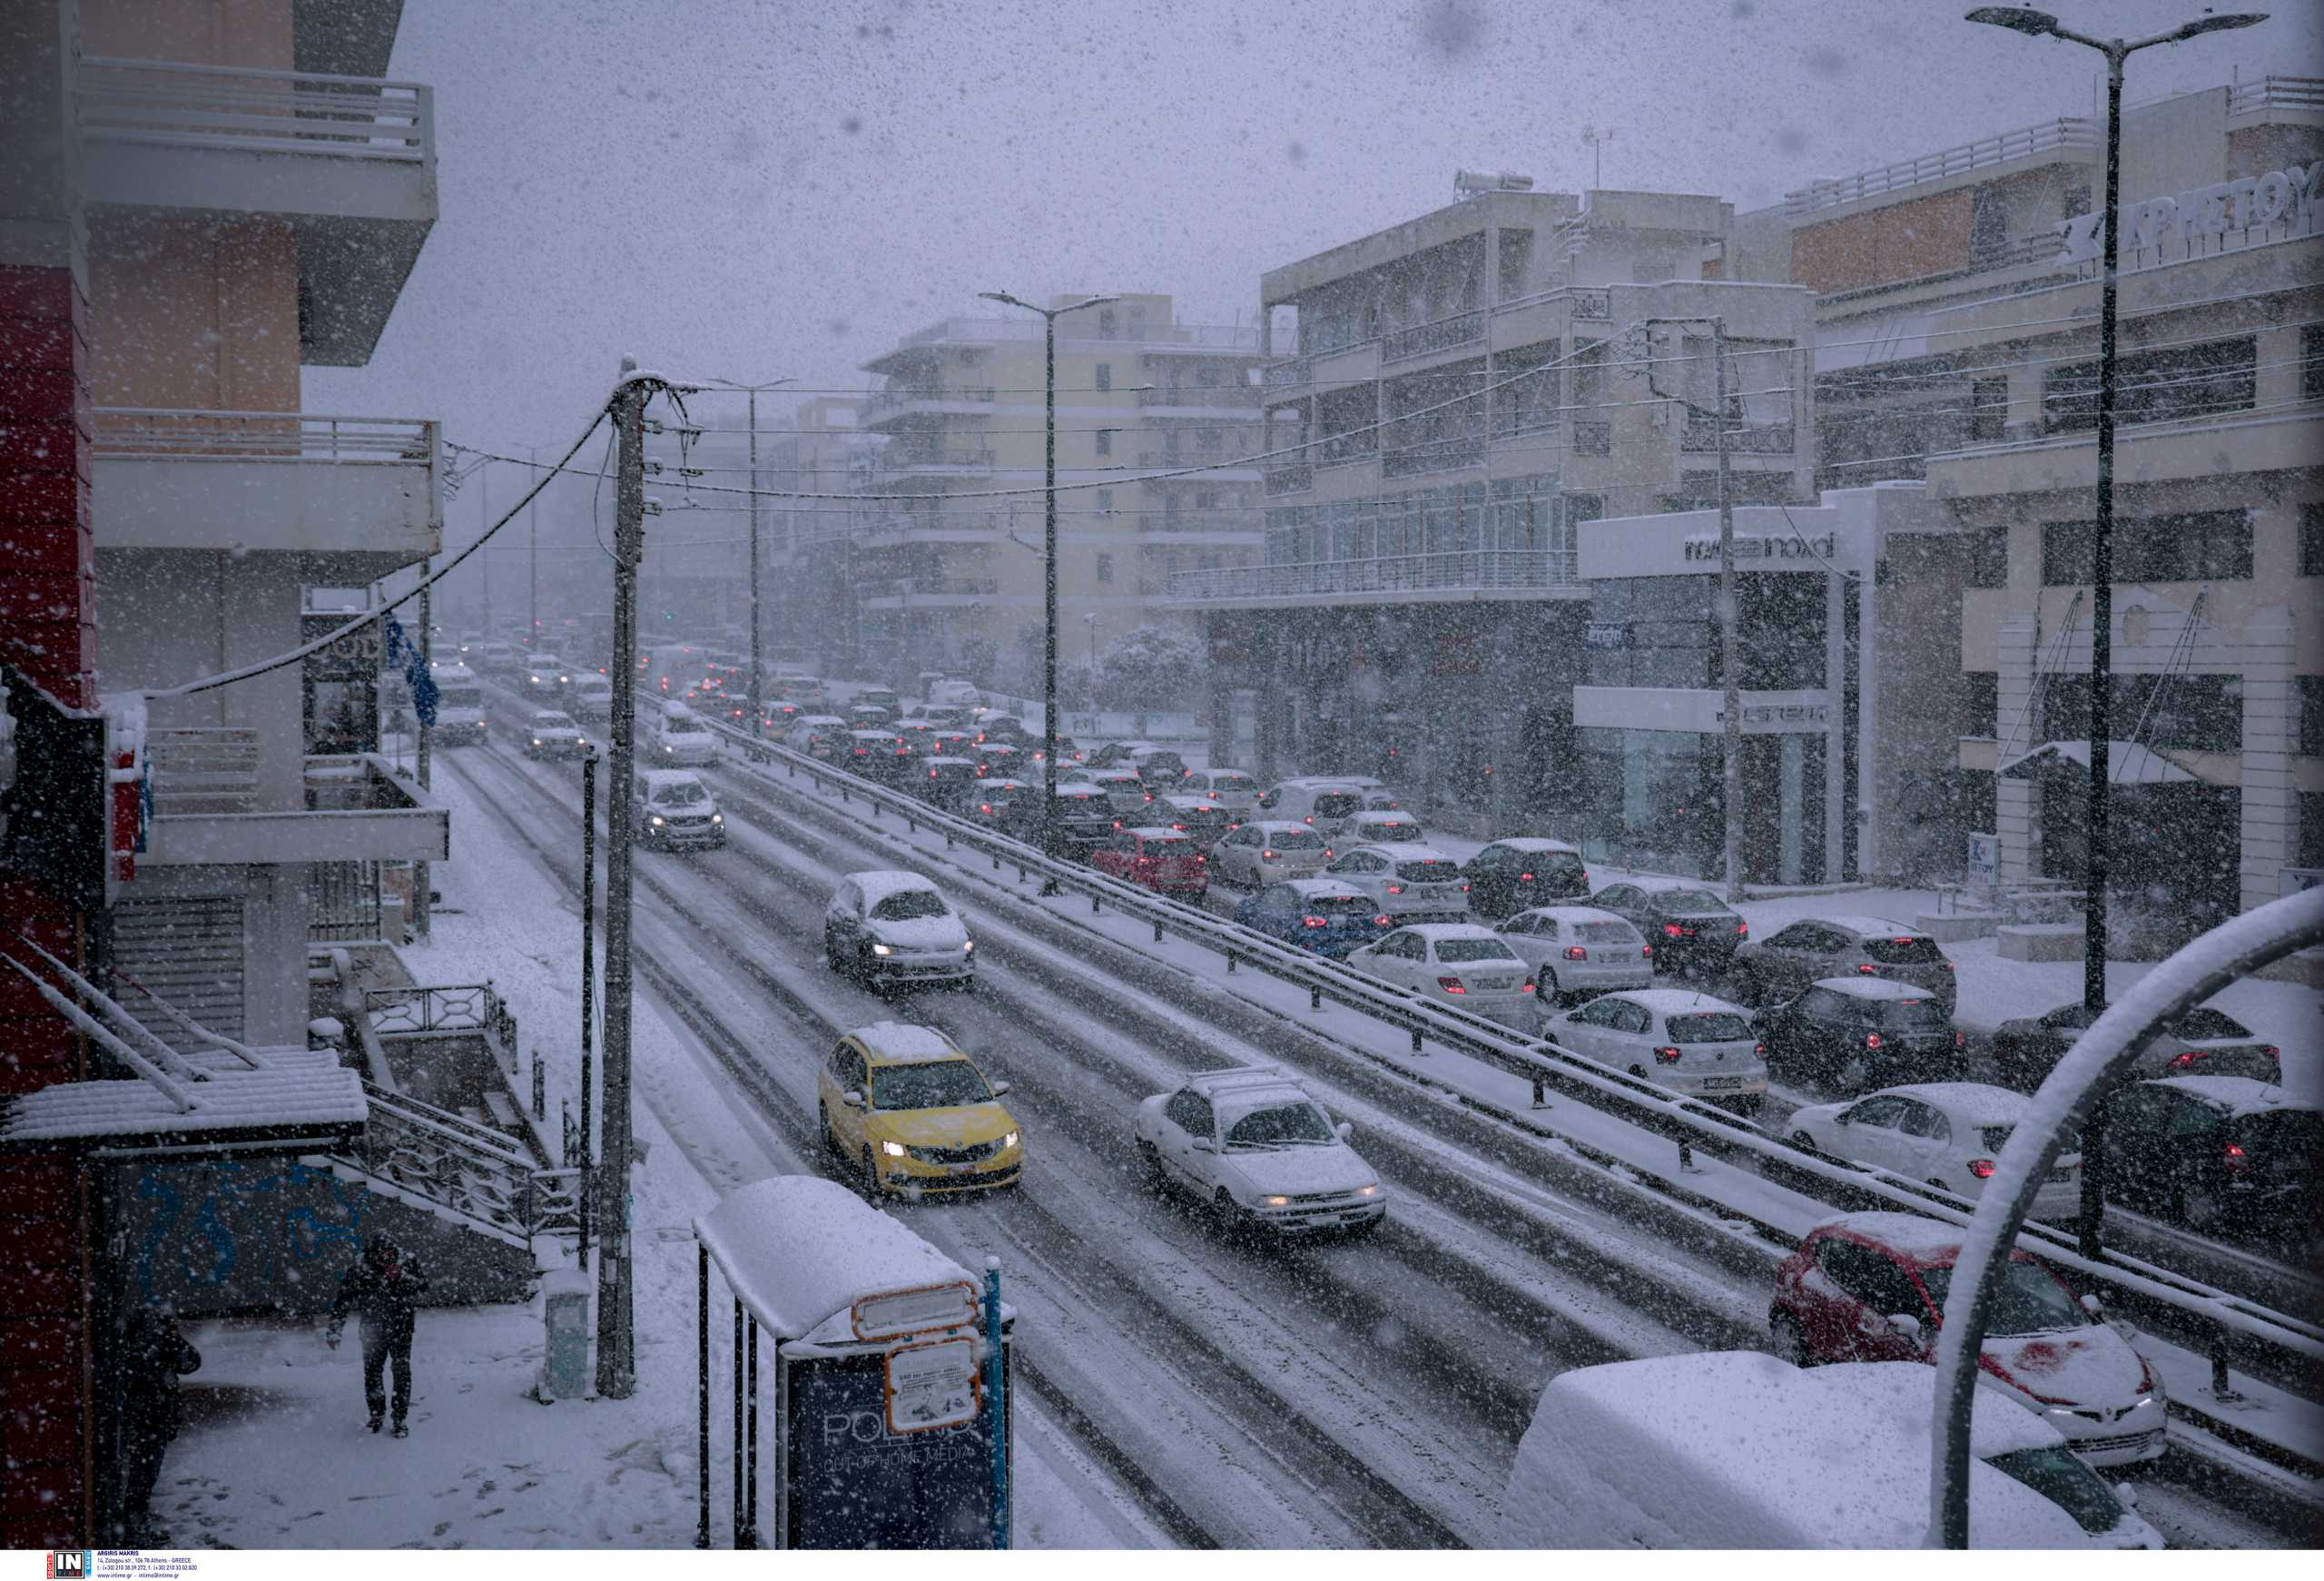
(1795, 546)
(2277, 197)
(925, 1310)
(1774, 717)
(932, 1385)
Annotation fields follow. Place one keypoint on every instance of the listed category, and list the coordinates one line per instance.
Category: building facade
(1957, 343)
(942, 580)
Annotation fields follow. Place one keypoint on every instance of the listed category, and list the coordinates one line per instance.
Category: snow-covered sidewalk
(274, 1453)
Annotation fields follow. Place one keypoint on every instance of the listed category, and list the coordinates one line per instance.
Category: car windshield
(907, 903)
(1337, 905)
(2026, 1299)
(1281, 1125)
(552, 722)
(459, 697)
(1605, 933)
(1455, 952)
(1233, 784)
(1904, 952)
(1337, 804)
(1913, 1015)
(1707, 1026)
(685, 793)
(1687, 902)
(2203, 1022)
(1427, 870)
(1394, 833)
(2055, 1473)
(1296, 840)
(939, 1085)
(684, 725)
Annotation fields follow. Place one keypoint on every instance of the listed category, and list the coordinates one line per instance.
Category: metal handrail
(192, 434)
(469, 1169)
(2063, 131)
(175, 104)
(2135, 1283)
(2276, 93)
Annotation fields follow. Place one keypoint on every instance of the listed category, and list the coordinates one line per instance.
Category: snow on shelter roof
(297, 1096)
(799, 1250)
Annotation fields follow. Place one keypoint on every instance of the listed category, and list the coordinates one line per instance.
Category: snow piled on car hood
(1303, 1168)
(2082, 1366)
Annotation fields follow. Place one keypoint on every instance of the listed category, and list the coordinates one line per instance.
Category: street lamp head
(2233, 19)
(1002, 296)
(1094, 302)
(2022, 19)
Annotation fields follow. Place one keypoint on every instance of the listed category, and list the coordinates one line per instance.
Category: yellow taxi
(914, 1113)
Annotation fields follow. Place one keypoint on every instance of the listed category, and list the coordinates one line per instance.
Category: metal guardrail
(472, 1171)
(2275, 93)
(2198, 1314)
(168, 104)
(2066, 131)
(430, 1008)
(261, 436)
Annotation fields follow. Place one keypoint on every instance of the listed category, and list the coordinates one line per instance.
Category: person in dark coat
(155, 1353)
(384, 1290)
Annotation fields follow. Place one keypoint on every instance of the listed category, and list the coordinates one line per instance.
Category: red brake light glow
(1742, 930)
(1529, 986)
(1525, 878)
(1396, 889)
(1675, 931)
(1576, 953)
(1867, 969)
(1266, 855)
(1666, 1057)
(1385, 920)
(1981, 1168)
(1450, 985)
(1646, 949)
(1872, 1039)
(1960, 1040)
(1313, 923)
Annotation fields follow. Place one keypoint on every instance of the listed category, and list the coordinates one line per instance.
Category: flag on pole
(401, 651)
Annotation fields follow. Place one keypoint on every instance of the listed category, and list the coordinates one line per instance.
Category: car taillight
(1525, 878)
(1450, 985)
(2236, 1159)
(1981, 1168)
(1385, 920)
(1464, 889)
(1948, 965)
(1872, 1039)
(984, 806)
(1867, 969)
(2184, 1058)
(1529, 986)
(1675, 931)
(1200, 861)
(1315, 922)
(1760, 1050)
(1266, 857)
(1396, 889)
(861, 751)
(1666, 1057)
(1960, 1040)
(1742, 930)
(1646, 949)
(1146, 862)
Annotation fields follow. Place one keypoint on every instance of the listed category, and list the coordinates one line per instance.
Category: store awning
(2127, 763)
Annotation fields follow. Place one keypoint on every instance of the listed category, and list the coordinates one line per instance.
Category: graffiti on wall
(233, 1235)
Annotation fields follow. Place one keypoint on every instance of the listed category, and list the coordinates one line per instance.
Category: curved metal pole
(2091, 1067)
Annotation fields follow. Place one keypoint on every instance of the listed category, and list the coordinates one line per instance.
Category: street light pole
(1049, 539)
(757, 689)
(2098, 856)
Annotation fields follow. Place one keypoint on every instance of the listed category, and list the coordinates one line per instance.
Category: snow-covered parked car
(1460, 964)
(1736, 1449)
(1381, 828)
(1693, 1044)
(1871, 1287)
(884, 927)
(1261, 852)
(1251, 1142)
(681, 740)
(1412, 883)
(1948, 1133)
(1578, 949)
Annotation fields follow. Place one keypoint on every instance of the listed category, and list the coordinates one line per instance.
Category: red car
(1872, 1287)
(1163, 860)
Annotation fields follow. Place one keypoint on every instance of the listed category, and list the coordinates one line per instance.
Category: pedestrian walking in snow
(153, 1353)
(384, 1290)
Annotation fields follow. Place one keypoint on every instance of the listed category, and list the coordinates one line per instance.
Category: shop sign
(1605, 637)
(2200, 213)
(1793, 546)
(1985, 859)
(1771, 718)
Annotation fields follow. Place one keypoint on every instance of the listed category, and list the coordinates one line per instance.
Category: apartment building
(213, 196)
(1459, 393)
(942, 582)
(1957, 343)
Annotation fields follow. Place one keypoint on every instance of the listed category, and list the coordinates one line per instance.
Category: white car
(683, 740)
(1381, 828)
(1258, 854)
(546, 676)
(1460, 964)
(816, 734)
(1251, 1142)
(886, 927)
(1123, 788)
(669, 807)
(1324, 805)
(1689, 1042)
(551, 733)
(593, 698)
(1412, 883)
(1578, 950)
(1231, 788)
(1948, 1133)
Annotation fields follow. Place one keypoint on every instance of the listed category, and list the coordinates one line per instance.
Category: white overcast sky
(763, 190)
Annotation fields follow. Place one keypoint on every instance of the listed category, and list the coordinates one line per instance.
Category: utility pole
(484, 525)
(588, 985)
(1730, 662)
(533, 530)
(616, 1330)
(419, 873)
(758, 683)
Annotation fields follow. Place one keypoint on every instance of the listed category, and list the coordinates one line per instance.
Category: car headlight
(656, 820)
(966, 945)
(894, 1149)
(1371, 1190)
(1008, 1142)
(1275, 1201)
(883, 949)
(536, 741)
(718, 818)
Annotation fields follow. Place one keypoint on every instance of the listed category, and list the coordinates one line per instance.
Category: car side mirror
(2090, 1304)
(1908, 1327)
(1344, 1130)
(1001, 1089)
(852, 1100)
(1203, 1144)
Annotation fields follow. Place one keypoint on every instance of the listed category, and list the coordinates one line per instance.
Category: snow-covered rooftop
(1929, 1240)
(2242, 1095)
(1972, 1102)
(1572, 914)
(1437, 933)
(1871, 927)
(879, 884)
(798, 1249)
(1535, 847)
(896, 1042)
(1678, 1001)
(1874, 987)
(296, 1094)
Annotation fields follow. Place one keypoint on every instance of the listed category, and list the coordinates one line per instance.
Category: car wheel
(1790, 1343)
(831, 953)
(870, 1173)
(1224, 1206)
(1804, 1142)
(1149, 1159)
(831, 1137)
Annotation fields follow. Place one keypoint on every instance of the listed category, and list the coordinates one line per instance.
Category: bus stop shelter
(891, 1418)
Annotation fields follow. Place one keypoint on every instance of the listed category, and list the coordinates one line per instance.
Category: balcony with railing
(1442, 335)
(1200, 398)
(1292, 479)
(2066, 136)
(1452, 573)
(2262, 94)
(1442, 455)
(927, 401)
(350, 162)
(926, 592)
(208, 806)
(1701, 433)
(1200, 523)
(280, 481)
(934, 459)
